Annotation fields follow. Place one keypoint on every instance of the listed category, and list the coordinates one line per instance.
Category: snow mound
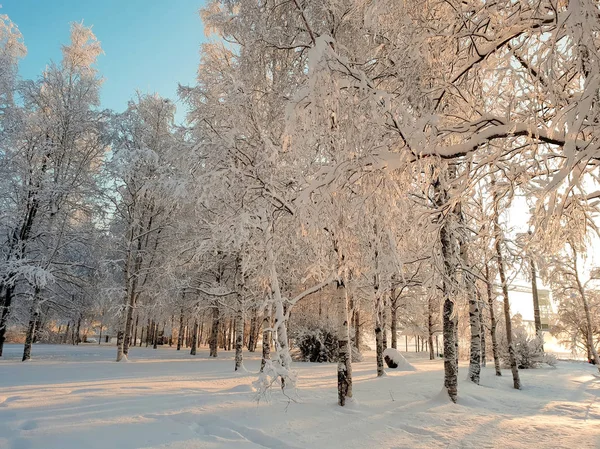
(394, 359)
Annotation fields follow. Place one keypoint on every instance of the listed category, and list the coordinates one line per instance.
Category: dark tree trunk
(135, 330)
(78, 334)
(34, 316)
(509, 338)
(493, 321)
(180, 334)
(66, 337)
(430, 329)
(357, 331)
(482, 331)
(155, 336)
(194, 338)
(6, 305)
(214, 333)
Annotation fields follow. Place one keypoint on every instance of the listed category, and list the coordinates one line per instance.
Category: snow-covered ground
(78, 398)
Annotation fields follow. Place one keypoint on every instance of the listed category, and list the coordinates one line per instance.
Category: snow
(397, 357)
(78, 397)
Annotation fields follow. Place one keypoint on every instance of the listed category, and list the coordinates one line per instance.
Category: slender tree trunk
(194, 338)
(155, 336)
(536, 304)
(214, 333)
(7, 291)
(586, 308)
(378, 334)
(239, 332)
(482, 331)
(493, 321)
(344, 369)
(34, 316)
(201, 336)
(135, 330)
(251, 332)
(78, 339)
(394, 318)
(384, 322)
(128, 324)
(180, 334)
(474, 315)
(430, 329)
(357, 336)
(511, 347)
(66, 336)
(266, 338)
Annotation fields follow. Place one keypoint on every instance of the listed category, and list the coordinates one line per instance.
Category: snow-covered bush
(529, 351)
(318, 342)
(317, 345)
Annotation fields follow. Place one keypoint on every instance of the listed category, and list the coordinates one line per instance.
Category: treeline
(345, 167)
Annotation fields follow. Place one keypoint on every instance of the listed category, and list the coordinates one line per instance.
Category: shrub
(529, 351)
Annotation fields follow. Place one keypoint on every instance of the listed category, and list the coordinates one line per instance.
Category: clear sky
(150, 45)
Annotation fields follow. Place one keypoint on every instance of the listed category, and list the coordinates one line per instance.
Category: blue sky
(150, 45)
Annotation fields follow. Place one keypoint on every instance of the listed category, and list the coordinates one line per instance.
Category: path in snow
(78, 398)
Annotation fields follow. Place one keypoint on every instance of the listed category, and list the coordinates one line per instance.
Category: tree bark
(536, 304)
(239, 334)
(266, 338)
(474, 315)
(344, 368)
(214, 333)
(6, 306)
(180, 334)
(384, 322)
(357, 331)
(482, 331)
(34, 316)
(586, 308)
(500, 260)
(493, 321)
(194, 338)
(430, 330)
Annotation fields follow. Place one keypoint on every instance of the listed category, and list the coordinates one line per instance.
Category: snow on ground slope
(78, 398)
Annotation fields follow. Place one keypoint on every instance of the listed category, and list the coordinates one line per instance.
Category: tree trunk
(430, 326)
(511, 347)
(493, 321)
(214, 333)
(474, 314)
(394, 318)
(180, 334)
(239, 338)
(357, 339)
(34, 316)
(378, 335)
(66, 337)
(155, 336)
(194, 338)
(7, 291)
(586, 308)
(449, 319)
(481, 331)
(266, 338)
(128, 324)
(536, 304)
(135, 330)
(384, 322)
(78, 339)
(344, 368)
